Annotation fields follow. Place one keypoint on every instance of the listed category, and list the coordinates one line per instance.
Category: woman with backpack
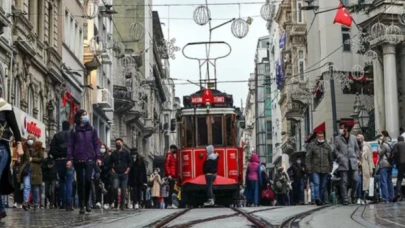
(385, 168)
(84, 153)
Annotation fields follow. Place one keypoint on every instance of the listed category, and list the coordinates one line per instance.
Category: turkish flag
(207, 96)
(343, 16)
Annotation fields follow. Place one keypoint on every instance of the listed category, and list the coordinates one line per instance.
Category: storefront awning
(320, 127)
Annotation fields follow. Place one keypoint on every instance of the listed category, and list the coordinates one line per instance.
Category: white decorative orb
(127, 62)
(136, 31)
(357, 72)
(240, 28)
(202, 15)
(265, 12)
(401, 15)
(118, 49)
(378, 30)
(97, 45)
(370, 56)
(90, 9)
(393, 34)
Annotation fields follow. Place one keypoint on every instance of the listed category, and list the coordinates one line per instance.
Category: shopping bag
(371, 187)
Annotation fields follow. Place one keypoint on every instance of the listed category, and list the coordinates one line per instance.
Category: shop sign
(29, 125)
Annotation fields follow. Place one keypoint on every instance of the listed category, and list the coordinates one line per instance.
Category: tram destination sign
(196, 100)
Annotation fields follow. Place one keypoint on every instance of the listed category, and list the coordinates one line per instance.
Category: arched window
(30, 101)
(17, 93)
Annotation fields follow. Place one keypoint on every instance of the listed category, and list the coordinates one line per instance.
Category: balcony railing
(105, 98)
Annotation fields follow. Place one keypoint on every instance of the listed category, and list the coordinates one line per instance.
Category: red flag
(207, 96)
(343, 16)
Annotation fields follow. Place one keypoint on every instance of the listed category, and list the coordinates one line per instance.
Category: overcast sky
(237, 66)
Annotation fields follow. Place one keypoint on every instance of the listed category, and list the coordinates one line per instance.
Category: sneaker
(210, 202)
(15, 205)
(106, 207)
(136, 207)
(98, 205)
(358, 201)
(274, 203)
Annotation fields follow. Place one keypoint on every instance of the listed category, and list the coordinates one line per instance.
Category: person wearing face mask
(106, 176)
(84, 152)
(58, 152)
(155, 189)
(366, 167)
(318, 164)
(120, 163)
(30, 172)
(347, 153)
(171, 171)
(298, 183)
(137, 179)
(385, 167)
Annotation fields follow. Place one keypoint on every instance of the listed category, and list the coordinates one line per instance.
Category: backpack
(64, 146)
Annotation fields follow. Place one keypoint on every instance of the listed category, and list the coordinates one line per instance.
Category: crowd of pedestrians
(80, 172)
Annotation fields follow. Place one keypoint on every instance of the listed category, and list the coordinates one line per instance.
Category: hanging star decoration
(168, 49)
(345, 81)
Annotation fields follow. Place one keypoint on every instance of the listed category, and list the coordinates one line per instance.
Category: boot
(69, 207)
(35, 207)
(25, 206)
(81, 205)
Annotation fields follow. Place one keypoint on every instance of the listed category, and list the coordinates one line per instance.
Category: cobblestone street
(381, 215)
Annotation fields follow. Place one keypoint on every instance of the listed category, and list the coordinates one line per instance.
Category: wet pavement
(377, 215)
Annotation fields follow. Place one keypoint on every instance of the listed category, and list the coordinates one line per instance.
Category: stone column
(379, 108)
(401, 86)
(391, 90)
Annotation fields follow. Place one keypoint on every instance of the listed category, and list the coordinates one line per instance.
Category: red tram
(209, 118)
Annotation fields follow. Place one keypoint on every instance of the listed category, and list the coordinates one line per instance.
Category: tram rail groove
(248, 215)
(293, 220)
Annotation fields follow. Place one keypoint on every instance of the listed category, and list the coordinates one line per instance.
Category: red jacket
(170, 165)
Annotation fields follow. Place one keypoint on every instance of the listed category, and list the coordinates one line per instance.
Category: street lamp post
(364, 118)
(50, 110)
(355, 115)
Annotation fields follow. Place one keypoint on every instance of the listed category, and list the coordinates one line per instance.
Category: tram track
(295, 220)
(256, 222)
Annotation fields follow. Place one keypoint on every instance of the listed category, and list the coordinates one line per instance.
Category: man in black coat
(137, 178)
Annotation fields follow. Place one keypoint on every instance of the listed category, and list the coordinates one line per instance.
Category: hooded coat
(253, 168)
(36, 152)
(211, 163)
(170, 165)
(83, 144)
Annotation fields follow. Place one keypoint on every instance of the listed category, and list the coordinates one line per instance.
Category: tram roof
(203, 111)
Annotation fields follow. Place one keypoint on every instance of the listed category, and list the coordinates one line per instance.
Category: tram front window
(189, 131)
(202, 131)
(217, 130)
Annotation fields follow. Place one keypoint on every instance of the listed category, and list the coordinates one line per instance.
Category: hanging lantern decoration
(378, 30)
(393, 34)
(90, 9)
(265, 12)
(118, 49)
(136, 31)
(401, 15)
(357, 72)
(202, 15)
(109, 41)
(369, 57)
(97, 45)
(240, 28)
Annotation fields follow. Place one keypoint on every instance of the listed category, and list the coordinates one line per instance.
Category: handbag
(27, 169)
(267, 194)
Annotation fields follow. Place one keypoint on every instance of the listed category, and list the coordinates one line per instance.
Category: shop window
(299, 12)
(268, 107)
(346, 39)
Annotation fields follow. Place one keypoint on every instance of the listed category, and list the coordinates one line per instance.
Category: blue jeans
(4, 156)
(360, 187)
(319, 180)
(27, 187)
(386, 186)
(65, 182)
(298, 191)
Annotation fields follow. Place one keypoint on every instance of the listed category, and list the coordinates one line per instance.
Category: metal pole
(333, 100)
(256, 109)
